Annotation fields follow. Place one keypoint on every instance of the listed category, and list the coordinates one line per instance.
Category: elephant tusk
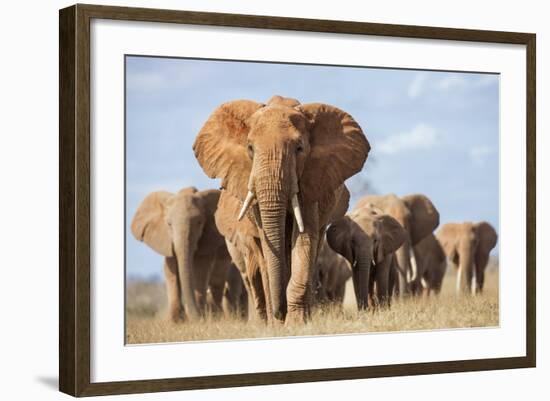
(246, 205)
(297, 213)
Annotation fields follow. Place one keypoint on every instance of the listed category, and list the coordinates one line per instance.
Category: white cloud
(478, 154)
(422, 136)
(417, 85)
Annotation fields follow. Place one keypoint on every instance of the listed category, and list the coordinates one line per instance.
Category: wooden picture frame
(75, 209)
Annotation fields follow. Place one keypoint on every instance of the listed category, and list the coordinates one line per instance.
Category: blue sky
(431, 132)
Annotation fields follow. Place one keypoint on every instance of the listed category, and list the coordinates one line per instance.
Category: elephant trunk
(272, 183)
(184, 248)
(361, 272)
(465, 268)
(273, 223)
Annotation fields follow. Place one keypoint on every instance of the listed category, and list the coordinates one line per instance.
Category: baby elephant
(367, 237)
(181, 228)
(467, 246)
(333, 272)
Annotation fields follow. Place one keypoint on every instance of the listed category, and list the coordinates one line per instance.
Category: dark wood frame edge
(74, 199)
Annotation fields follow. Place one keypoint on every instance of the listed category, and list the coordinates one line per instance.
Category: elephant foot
(176, 316)
(296, 316)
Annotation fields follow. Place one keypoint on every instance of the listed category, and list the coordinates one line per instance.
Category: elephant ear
(209, 200)
(220, 146)
(338, 150)
(424, 216)
(391, 236)
(339, 237)
(149, 224)
(333, 205)
(487, 237)
(342, 203)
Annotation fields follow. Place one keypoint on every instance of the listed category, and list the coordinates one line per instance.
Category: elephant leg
(416, 284)
(371, 287)
(243, 305)
(299, 290)
(340, 293)
(480, 278)
(233, 291)
(356, 286)
(481, 261)
(238, 260)
(392, 281)
(403, 287)
(437, 277)
(251, 279)
(217, 281)
(173, 289)
(202, 267)
(465, 275)
(260, 285)
(257, 282)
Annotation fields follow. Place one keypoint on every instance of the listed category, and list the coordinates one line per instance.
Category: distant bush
(145, 298)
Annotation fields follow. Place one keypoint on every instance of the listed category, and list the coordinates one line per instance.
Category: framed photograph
(250, 200)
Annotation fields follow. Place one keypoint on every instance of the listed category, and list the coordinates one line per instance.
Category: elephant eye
(299, 148)
(250, 150)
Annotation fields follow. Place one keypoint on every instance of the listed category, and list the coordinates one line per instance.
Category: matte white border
(112, 361)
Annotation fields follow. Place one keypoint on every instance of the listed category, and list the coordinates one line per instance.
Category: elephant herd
(277, 239)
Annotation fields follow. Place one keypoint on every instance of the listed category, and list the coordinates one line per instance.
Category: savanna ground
(146, 320)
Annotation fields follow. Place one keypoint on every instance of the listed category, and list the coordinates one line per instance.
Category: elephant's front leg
(372, 277)
(480, 263)
(173, 289)
(257, 293)
(252, 280)
(299, 292)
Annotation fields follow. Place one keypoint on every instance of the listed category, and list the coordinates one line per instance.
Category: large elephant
(467, 246)
(431, 263)
(419, 217)
(282, 167)
(181, 227)
(333, 272)
(368, 237)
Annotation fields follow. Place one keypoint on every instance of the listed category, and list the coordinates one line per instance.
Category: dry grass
(146, 317)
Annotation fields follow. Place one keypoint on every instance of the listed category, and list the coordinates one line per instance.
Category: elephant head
(467, 245)
(278, 158)
(419, 217)
(365, 237)
(173, 225)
